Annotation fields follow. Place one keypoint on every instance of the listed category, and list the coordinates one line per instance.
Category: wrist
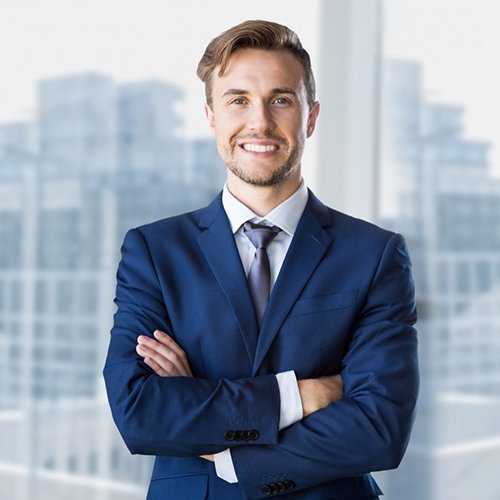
(306, 390)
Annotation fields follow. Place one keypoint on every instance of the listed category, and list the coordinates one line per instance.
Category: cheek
(295, 127)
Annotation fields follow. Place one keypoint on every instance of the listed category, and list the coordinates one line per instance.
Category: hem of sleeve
(291, 410)
(224, 466)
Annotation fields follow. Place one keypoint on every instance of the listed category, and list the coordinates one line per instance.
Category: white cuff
(290, 402)
(224, 466)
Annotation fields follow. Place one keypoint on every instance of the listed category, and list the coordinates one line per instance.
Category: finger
(175, 348)
(165, 346)
(163, 355)
(155, 367)
(173, 356)
(167, 368)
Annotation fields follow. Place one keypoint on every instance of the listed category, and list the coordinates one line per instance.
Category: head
(260, 103)
(257, 34)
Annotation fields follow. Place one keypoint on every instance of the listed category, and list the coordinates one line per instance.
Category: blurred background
(102, 128)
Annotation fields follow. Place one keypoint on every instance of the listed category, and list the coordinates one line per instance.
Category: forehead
(258, 69)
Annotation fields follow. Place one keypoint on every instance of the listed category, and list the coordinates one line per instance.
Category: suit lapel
(218, 245)
(308, 247)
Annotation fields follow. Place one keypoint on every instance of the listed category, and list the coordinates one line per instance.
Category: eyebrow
(234, 92)
(276, 90)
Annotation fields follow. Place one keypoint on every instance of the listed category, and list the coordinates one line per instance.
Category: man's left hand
(166, 358)
(163, 355)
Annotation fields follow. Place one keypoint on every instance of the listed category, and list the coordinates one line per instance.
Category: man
(263, 345)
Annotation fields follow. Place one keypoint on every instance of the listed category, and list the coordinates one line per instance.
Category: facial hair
(272, 177)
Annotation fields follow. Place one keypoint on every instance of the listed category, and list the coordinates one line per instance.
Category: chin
(268, 179)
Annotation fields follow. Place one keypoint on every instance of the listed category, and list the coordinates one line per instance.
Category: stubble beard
(269, 178)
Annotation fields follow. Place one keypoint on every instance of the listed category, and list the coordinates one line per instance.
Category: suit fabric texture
(343, 303)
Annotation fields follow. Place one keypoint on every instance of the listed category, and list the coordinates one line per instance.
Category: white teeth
(256, 148)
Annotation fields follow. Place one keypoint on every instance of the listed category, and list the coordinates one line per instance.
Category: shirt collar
(286, 215)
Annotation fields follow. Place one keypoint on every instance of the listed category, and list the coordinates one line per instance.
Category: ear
(210, 117)
(312, 117)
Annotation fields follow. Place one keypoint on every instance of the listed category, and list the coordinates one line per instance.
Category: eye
(281, 100)
(238, 100)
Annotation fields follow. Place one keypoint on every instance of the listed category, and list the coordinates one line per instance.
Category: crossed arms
(160, 409)
(167, 359)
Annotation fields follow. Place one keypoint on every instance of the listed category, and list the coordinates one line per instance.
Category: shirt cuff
(224, 466)
(290, 401)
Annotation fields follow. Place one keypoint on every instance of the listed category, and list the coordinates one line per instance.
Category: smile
(260, 148)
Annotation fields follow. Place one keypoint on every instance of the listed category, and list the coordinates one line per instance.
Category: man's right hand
(318, 393)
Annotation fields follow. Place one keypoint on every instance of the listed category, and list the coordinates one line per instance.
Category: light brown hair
(256, 35)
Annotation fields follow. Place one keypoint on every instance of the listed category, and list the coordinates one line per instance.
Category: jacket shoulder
(186, 223)
(351, 227)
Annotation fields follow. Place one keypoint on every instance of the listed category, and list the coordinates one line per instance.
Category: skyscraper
(100, 159)
(448, 206)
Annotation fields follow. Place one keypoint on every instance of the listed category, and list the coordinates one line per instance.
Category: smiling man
(261, 117)
(263, 345)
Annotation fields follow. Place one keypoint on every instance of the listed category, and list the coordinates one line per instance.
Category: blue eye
(239, 100)
(281, 100)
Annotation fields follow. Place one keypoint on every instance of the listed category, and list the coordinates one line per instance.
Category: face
(260, 117)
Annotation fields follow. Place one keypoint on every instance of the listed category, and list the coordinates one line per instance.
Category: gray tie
(259, 276)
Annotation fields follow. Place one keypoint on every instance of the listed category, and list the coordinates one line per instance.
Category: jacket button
(289, 485)
(274, 488)
(245, 435)
(254, 434)
(229, 435)
(266, 490)
(281, 487)
(237, 435)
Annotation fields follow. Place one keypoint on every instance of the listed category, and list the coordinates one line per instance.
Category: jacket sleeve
(180, 416)
(369, 429)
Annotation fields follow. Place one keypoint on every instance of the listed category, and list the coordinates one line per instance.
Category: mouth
(259, 148)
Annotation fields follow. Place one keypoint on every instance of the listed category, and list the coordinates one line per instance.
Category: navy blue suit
(343, 303)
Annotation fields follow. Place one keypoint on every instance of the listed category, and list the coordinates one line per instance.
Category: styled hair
(256, 35)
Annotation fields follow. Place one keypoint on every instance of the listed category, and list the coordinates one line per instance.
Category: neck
(261, 199)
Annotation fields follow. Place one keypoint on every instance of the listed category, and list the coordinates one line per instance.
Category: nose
(260, 118)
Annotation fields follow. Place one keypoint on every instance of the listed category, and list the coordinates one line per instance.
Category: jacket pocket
(193, 487)
(324, 303)
(353, 487)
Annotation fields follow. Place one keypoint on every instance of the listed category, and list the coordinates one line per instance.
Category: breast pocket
(325, 303)
(193, 487)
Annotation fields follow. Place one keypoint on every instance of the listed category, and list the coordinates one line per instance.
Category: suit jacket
(343, 303)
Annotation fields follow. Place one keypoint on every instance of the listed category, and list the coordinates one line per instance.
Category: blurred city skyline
(456, 40)
(99, 147)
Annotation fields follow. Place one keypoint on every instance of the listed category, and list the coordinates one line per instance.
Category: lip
(259, 149)
(259, 143)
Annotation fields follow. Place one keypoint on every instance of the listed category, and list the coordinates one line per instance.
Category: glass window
(65, 296)
(484, 276)
(88, 297)
(463, 277)
(441, 86)
(16, 295)
(41, 296)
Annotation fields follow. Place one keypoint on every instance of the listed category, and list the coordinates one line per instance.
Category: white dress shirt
(286, 216)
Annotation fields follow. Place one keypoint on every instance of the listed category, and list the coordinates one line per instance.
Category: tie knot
(259, 234)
